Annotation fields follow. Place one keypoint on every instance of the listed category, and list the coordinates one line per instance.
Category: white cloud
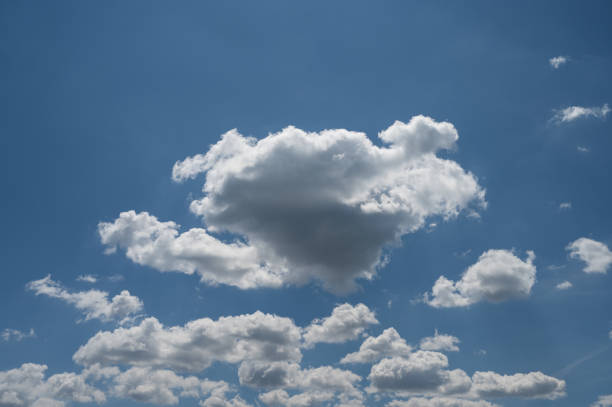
(162, 386)
(196, 345)
(9, 334)
(556, 62)
(93, 303)
(222, 401)
(565, 285)
(387, 344)
(583, 149)
(307, 399)
(306, 206)
(596, 255)
(440, 342)
(565, 205)
(423, 372)
(345, 323)
(523, 385)
(603, 401)
(572, 113)
(87, 278)
(27, 386)
(439, 402)
(497, 276)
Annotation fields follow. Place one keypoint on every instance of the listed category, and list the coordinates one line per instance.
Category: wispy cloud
(564, 285)
(87, 278)
(16, 335)
(583, 149)
(572, 113)
(556, 62)
(565, 206)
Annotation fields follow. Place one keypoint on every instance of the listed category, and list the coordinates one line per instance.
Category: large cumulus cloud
(305, 206)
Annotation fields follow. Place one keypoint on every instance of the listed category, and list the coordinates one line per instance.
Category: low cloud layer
(596, 255)
(305, 206)
(94, 304)
(498, 275)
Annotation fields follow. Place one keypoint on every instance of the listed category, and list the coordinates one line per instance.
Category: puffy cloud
(87, 278)
(27, 386)
(162, 386)
(196, 345)
(439, 402)
(440, 342)
(159, 245)
(307, 399)
(222, 401)
(387, 344)
(9, 334)
(565, 285)
(556, 62)
(497, 276)
(423, 372)
(603, 401)
(345, 323)
(306, 206)
(524, 385)
(93, 303)
(572, 113)
(596, 255)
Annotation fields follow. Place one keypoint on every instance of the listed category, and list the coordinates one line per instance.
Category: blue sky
(103, 103)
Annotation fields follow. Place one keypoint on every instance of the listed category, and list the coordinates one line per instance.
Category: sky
(351, 203)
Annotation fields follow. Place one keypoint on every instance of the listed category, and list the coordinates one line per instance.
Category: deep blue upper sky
(98, 100)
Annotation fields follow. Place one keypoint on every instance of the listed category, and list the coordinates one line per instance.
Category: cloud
(9, 334)
(27, 386)
(387, 344)
(422, 372)
(94, 304)
(307, 399)
(572, 113)
(603, 401)
(147, 385)
(222, 401)
(497, 276)
(87, 278)
(596, 255)
(439, 402)
(523, 385)
(565, 285)
(305, 206)
(583, 149)
(565, 205)
(556, 62)
(345, 323)
(440, 342)
(196, 345)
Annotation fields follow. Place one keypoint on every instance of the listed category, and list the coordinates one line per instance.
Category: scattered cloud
(565, 206)
(27, 386)
(556, 62)
(522, 385)
(94, 304)
(345, 323)
(387, 344)
(440, 342)
(439, 402)
(565, 285)
(87, 278)
(603, 401)
(497, 276)
(583, 149)
(572, 113)
(596, 255)
(9, 334)
(305, 206)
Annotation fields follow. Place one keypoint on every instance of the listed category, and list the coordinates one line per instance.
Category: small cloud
(564, 285)
(555, 267)
(389, 304)
(87, 278)
(583, 149)
(115, 278)
(565, 206)
(556, 62)
(481, 352)
(16, 335)
(572, 113)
